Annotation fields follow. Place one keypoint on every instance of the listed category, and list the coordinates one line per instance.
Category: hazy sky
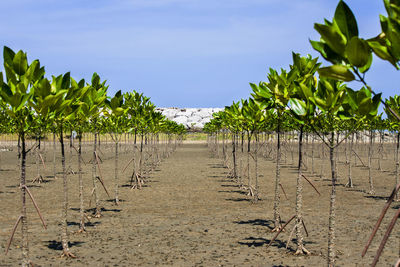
(182, 53)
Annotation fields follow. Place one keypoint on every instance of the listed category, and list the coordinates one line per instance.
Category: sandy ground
(190, 214)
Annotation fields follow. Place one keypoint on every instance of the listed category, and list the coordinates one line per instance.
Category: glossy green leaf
(298, 106)
(357, 52)
(8, 56)
(382, 52)
(332, 37)
(366, 67)
(337, 72)
(66, 81)
(20, 63)
(346, 20)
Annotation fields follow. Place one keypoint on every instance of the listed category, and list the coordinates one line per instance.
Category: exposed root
(349, 184)
(67, 255)
(278, 229)
(251, 191)
(82, 231)
(38, 179)
(302, 251)
(70, 170)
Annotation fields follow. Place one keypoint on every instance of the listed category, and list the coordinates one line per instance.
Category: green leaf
(382, 52)
(8, 56)
(114, 103)
(66, 81)
(366, 67)
(352, 98)
(346, 20)
(332, 37)
(394, 37)
(337, 72)
(20, 63)
(298, 106)
(357, 52)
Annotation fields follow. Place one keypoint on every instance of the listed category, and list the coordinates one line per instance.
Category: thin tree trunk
(97, 212)
(312, 153)
(234, 154)
(116, 170)
(332, 208)
(24, 219)
(381, 140)
(141, 156)
(350, 179)
(54, 155)
(299, 199)
(277, 217)
(248, 160)
(81, 199)
(370, 181)
(64, 231)
(223, 147)
(397, 162)
(256, 167)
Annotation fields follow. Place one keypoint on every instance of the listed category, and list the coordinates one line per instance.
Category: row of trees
(299, 99)
(32, 105)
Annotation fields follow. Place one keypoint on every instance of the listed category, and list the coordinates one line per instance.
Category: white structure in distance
(191, 118)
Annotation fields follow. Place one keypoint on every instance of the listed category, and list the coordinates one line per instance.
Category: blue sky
(181, 53)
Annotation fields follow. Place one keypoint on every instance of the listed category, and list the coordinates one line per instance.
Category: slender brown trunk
(381, 140)
(248, 160)
(312, 153)
(71, 144)
(223, 147)
(24, 219)
(64, 232)
(81, 202)
(234, 154)
(332, 208)
(350, 179)
(94, 177)
(256, 167)
(397, 161)
(277, 217)
(370, 181)
(141, 156)
(299, 198)
(54, 155)
(116, 170)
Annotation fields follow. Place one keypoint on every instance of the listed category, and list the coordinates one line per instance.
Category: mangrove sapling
(16, 98)
(394, 124)
(360, 106)
(274, 96)
(63, 106)
(254, 118)
(302, 111)
(94, 100)
(116, 121)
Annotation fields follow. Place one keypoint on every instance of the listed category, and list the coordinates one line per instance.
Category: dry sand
(190, 214)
